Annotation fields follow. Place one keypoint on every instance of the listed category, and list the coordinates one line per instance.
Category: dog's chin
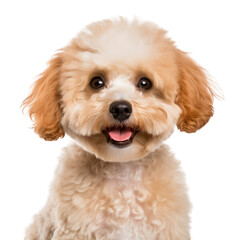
(115, 144)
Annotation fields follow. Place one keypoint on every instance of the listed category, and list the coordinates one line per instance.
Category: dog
(118, 89)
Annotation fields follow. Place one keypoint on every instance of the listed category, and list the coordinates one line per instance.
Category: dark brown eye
(97, 82)
(144, 83)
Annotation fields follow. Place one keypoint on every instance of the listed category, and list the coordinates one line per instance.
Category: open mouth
(121, 136)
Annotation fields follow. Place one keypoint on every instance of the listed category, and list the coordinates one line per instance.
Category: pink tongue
(120, 134)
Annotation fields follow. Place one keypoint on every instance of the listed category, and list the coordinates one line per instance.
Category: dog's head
(118, 89)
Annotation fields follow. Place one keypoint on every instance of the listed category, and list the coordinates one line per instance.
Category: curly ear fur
(43, 102)
(195, 97)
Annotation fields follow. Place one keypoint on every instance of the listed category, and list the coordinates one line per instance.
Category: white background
(31, 31)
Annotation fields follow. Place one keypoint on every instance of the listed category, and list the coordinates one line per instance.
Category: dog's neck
(125, 171)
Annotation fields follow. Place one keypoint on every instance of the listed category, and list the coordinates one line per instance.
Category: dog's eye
(144, 83)
(97, 82)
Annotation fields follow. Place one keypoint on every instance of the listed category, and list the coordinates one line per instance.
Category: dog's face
(119, 89)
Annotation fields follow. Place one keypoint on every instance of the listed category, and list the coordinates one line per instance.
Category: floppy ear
(195, 97)
(44, 102)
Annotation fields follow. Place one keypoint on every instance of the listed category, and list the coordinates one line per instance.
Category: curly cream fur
(92, 199)
(101, 192)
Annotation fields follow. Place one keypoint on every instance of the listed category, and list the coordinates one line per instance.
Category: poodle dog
(118, 89)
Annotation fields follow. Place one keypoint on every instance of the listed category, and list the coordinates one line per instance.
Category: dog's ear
(44, 102)
(194, 97)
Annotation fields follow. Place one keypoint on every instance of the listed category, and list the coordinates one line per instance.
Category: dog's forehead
(126, 48)
(128, 43)
(117, 53)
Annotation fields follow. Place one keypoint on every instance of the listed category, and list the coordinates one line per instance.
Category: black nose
(121, 110)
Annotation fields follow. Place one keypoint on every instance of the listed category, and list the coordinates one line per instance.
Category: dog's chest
(126, 212)
(110, 201)
(115, 205)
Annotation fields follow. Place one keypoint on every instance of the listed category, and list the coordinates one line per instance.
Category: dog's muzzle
(120, 135)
